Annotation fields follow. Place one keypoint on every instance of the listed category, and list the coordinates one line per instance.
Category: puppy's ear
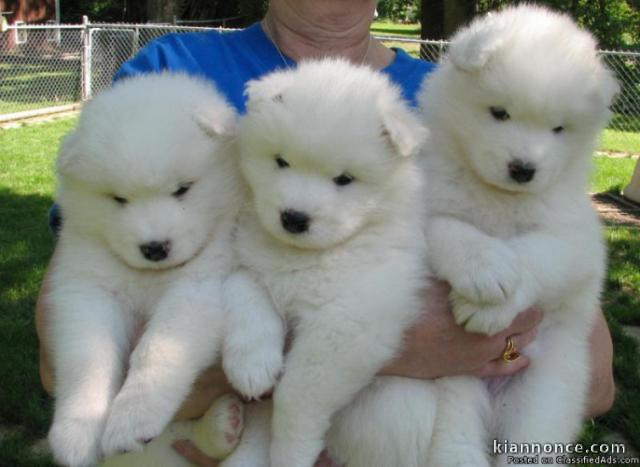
(267, 89)
(473, 47)
(402, 128)
(69, 153)
(216, 122)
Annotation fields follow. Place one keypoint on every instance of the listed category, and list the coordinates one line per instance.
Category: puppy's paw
(490, 276)
(482, 319)
(75, 442)
(136, 418)
(219, 431)
(253, 372)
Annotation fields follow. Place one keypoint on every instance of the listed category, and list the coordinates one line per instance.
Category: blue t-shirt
(232, 59)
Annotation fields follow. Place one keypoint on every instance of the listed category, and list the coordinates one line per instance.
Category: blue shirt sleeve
(148, 59)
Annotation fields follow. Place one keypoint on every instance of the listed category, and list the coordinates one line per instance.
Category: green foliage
(407, 11)
(615, 23)
(97, 10)
(253, 10)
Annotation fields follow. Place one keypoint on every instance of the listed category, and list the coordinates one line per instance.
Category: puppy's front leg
(180, 340)
(337, 349)
(90, 335)
(481, 268)
(254, 341)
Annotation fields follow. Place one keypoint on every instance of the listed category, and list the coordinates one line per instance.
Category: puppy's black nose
(156, 251)
(294, 221)
(521, 172)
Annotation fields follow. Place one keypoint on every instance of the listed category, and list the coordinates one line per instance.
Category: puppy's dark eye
(558, 129)
(343, 179)
(499, 113)
(120, 200)
(182, 189)
(281, 162)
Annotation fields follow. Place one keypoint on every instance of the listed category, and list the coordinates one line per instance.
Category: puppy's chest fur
(300, 280)
(453, 191)
(139, 291)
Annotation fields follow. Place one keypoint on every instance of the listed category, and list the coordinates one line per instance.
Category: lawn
(611, 174)
(384, 27)
(26, 191)
(36, 83)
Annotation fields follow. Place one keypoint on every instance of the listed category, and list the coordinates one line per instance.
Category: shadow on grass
(622, 297)
(26, 247)
(625, 415)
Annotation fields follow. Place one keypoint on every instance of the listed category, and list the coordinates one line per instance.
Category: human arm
(435, 347)
(602, 385)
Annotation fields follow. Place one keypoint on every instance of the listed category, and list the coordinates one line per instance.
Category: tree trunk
(432, 19)
(161, 11)
(440, 19)
(457, 13)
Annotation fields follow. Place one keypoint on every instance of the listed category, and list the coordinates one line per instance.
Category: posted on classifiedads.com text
(564, 453)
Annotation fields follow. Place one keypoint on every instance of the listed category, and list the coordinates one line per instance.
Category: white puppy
(332, 237)
(149, 192)
(515, 111)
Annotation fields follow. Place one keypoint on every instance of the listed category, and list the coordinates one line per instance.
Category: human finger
(190, 452)
(520, 341)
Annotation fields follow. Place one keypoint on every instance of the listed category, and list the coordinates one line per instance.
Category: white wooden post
(85, 60)
(632, 190)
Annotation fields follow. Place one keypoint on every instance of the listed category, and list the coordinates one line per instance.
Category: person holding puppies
(294, 30)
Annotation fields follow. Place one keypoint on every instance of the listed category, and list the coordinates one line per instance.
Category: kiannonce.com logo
(510, 447)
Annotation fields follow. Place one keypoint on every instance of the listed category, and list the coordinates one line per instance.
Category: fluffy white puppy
(149, 192)
(515, 111)
(332, 237)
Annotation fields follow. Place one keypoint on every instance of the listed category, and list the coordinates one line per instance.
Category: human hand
(436, 346)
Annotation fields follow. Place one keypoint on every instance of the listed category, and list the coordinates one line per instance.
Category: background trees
(616, 23)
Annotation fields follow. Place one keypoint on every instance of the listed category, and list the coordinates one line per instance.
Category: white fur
(142, 140)
(348, 286)
(503, 245)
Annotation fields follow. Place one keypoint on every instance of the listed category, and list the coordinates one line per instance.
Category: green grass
(620, 141)
(621, 304)
(33, 84)
(611, 174)
(26, 192)
(26, 188)
(384, 27)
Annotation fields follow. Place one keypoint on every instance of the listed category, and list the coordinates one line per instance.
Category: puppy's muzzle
(156, 251)
(294, 222)
(521, 172)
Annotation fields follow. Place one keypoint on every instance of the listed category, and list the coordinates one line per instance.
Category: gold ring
(510, 353)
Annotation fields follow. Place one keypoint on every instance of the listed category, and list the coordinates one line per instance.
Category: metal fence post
(136, 40)
(85, 60)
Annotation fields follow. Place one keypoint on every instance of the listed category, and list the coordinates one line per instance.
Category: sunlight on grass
(611, 173)
(385, 27)
(620, 141)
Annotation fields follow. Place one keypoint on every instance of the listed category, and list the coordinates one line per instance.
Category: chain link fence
(45, 66)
